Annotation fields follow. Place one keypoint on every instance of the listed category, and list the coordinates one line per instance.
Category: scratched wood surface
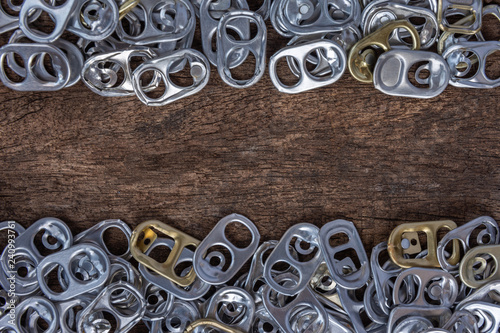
(344, 151)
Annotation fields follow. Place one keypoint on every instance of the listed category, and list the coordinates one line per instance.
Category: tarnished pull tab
(461, 58)
(342, 267)
(329, 68)
(432, 287)
(33, 78)
(138, 247)
(227, 47)
(391, 74)
(303, 239)
(101, 72)
(194, 291)
(217, 273)
(447, 8)
(209, 22)
(480, 266)
(161, 21)
(61, 15)
(487, 233)
(404, 241)
(163, 67)
(362, 59)
(287, 313)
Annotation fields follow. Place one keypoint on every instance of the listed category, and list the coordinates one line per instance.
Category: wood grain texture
(344, 151)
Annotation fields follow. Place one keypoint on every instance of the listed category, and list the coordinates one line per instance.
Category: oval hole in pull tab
(182, 268)
(287, 311)
(481, 231)
(250, 47)
(44, 67)
(292, 256)
(84, 267)
(109, 74)
(348, 263)
(446, 10)
(209, 22)
(311, 17)
(408, 73)
(362, 57)
(214, 267)
(163, 21)
(163, 67)
(460, 58)
(404, 240)
(94, 20)
(59, 15)
(332, 65)
(144, 237)
(123, 320)
(425, 287)
(36, 311)
(480, 266)
(111, 235)
(232, 306)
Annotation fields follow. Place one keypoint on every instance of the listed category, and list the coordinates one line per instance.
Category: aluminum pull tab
(342, 267)
(391, 74)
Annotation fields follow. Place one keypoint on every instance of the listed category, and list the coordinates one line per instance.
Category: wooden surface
(344, 151)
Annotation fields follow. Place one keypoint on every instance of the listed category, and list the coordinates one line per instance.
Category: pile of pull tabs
(133, 47)
(431, 277)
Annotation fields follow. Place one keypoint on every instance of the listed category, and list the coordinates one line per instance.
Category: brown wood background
(344, 151)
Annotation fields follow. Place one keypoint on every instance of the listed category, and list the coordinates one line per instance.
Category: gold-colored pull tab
(447, 34)
(468, 26)
(362, 59)
(127, 7)
(404, 241)
(480, 262)
(212, 323)
(138, 248)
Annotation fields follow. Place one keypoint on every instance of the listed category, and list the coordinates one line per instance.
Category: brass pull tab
(165, 269)
(480, 266)
(362, 58)
(127, 7)
(404, 241)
